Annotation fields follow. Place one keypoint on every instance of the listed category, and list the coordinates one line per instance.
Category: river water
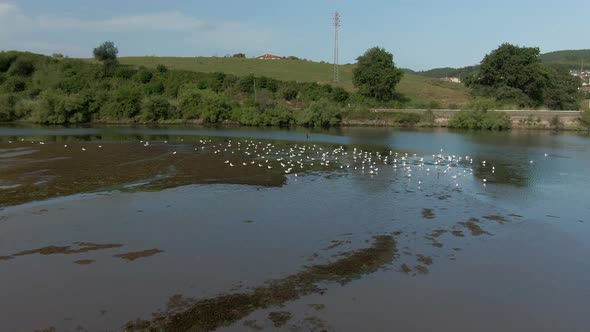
(352, 229)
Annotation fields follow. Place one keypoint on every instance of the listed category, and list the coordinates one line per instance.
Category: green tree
(511, 72)
(376, 75)
(106, 53)
(562, 91)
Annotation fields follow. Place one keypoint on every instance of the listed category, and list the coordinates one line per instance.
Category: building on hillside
(269, 57)
(451, 79)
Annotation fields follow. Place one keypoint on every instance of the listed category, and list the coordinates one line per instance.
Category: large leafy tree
(106, 53)
(514, 74)
(375, 75)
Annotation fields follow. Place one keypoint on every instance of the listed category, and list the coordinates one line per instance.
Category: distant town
(585, 77)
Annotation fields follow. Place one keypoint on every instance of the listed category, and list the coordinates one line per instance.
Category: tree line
(60, 90)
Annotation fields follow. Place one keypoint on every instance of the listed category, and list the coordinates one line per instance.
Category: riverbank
(396, 118)
(521, 119)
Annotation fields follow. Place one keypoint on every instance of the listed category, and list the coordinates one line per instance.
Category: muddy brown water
(109, 233)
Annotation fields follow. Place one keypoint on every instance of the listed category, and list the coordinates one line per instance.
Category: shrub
(6, 60)
(154, 88)
(585, 119)
(24, 108)
(34, 93)
(72, 84)
(477, 119)
(144, 76)
(203, 104)
(202, 85)
(155, 108)
(124, 72)
(7, 104)
(161, 68)
(125, 103)
(15, 84)
(339, 95)
(217, 82)
(406, 119)
(319, 114)
(22, 67)
(482, 104)
(50, 109)
(289, 93)
(246, 84)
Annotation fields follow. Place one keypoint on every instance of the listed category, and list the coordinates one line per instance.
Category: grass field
(420, 90)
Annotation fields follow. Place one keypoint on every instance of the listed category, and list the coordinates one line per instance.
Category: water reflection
(240, 251)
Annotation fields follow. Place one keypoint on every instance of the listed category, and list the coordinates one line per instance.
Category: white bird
(83, 149)
(174, 152)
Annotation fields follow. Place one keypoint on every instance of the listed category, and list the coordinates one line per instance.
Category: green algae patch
(211, 313)
(421, 269)
(405, 268)
(78, 248)
(336, 244)
(458, 233)
(428, 214)
(474, 228)
(500, 219)
(436, 233)
(279, 318)
(425, 260)
(131, 256)
(54, 170)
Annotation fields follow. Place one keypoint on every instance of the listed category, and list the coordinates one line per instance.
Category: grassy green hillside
(420, 90)
(570, 58)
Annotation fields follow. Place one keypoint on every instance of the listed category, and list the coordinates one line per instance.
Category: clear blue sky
(421, 34)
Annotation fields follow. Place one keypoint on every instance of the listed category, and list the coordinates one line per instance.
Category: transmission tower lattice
(336, 41)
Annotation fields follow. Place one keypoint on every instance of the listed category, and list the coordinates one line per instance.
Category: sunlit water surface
(122, 226)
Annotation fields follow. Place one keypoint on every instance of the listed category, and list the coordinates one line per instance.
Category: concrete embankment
(520, 118)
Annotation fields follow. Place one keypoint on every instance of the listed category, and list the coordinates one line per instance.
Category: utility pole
(336, 46)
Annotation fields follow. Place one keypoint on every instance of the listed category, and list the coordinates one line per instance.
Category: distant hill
(448, 72)
(569, 58)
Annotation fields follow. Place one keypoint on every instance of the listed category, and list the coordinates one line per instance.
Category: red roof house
(269, 57)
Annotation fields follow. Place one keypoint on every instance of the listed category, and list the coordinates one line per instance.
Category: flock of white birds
(296, 158)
